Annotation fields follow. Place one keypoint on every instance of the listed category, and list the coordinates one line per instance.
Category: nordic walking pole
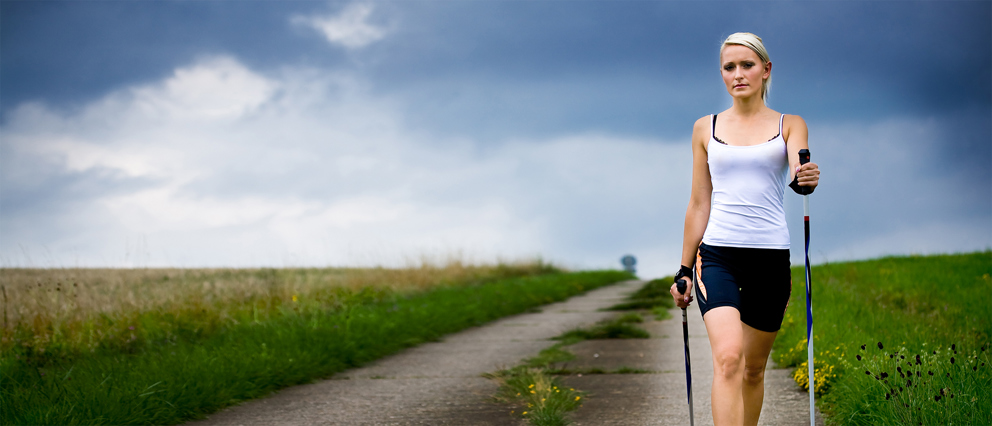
(685, 339)
(803, 159)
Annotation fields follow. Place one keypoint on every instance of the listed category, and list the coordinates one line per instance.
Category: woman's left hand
(808, 175)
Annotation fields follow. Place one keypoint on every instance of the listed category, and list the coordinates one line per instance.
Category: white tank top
(748, 193)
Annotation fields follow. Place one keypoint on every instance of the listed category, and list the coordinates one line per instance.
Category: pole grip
(803, 159)
(680, 286)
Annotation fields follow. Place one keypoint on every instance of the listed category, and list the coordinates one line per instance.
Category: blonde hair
(754, 43)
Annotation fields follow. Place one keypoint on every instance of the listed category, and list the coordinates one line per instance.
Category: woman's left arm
(797, 137)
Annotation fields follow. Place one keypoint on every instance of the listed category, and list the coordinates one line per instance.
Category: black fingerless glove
(684, 272)
(801, 190)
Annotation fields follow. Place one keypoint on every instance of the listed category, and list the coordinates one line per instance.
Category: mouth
(739, 86)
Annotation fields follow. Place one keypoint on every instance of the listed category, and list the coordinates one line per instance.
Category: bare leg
(757, 346)
(724, 327)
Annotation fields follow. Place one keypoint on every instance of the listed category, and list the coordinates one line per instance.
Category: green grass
(653, 295)
(876, 316)
(541, 397)
(556, 354)
(538, 397)
(174, 380)
(661, 313)
(617, 328)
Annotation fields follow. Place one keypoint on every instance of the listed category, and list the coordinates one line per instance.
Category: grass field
(59, 313)
(157, 346)
(899, 340)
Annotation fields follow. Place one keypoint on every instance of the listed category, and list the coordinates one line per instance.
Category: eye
(748, 65)
(728, 67)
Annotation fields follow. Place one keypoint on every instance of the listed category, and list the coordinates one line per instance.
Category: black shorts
(757, 282)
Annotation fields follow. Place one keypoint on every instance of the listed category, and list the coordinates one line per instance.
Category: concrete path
(660, 398)
(440, 383)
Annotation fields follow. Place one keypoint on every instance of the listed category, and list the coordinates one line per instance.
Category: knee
(729, 363)
(754, 374)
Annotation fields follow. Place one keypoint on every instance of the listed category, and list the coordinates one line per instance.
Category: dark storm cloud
(70, 52)
(496, 69)
(530, 127)
(496, 66)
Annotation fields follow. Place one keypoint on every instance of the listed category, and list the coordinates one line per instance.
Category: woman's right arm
(697, 214)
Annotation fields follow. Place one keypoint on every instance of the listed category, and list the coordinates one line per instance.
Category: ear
(768, 71)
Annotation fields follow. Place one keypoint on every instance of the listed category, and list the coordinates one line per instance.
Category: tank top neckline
(781, 120)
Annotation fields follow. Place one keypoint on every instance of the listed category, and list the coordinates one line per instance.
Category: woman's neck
(748, 107)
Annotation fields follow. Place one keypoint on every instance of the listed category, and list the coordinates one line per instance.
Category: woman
(738, 240)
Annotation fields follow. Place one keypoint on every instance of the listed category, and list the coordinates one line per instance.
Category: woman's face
(743, 72)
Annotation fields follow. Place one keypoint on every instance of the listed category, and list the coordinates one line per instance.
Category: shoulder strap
(781, 121)
(713, 130)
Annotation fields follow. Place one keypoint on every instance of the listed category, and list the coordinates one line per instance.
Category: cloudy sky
(265, 133)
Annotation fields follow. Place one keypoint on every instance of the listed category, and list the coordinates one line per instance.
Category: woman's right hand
(682, 300)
